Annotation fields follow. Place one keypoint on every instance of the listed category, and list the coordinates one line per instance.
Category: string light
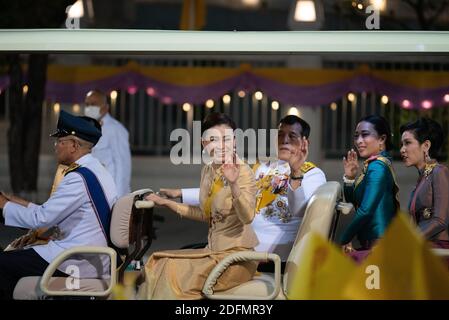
(426, 104)
(226, 98)
(209, 103)
(113, 94)
(351, 97)
(132, 90)
(406, 104)
(258, 95)
(186, 107)
(166, 100)
(274, 105)
(150, 91)
(294, 111)
(384, 99)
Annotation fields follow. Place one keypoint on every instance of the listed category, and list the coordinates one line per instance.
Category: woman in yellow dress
(227, 203)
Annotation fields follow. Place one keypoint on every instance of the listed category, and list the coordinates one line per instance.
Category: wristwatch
(299, 177)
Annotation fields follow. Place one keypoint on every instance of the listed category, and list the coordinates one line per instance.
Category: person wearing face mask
(113, 149)
(429, 201)
(284, 187)
(227, 202)
(374, 192)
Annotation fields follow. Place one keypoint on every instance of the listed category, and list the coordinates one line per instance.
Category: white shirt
(69, 208)
(278, 235)
(277, 224)
(113, 151)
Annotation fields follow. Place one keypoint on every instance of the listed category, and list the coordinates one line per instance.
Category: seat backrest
(125, 220)
(318, 217)
(131, 228)
(120, 221)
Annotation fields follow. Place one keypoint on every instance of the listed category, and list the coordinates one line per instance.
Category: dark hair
(292, 119)
(216, 118)
(426, 129)
(382, 127)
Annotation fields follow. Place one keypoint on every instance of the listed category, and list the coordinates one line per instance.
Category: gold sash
(266, 195)
(216, 186)
(255, 167)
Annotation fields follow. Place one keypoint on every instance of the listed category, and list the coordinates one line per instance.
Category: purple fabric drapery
(305, 95)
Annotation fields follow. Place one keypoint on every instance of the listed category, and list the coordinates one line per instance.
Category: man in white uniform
(113, 149)
(71, 209)
(284, 188)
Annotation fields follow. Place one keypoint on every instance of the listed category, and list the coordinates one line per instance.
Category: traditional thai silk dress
(279, 209)
(181, 274)
(429, 204)
(375, 198)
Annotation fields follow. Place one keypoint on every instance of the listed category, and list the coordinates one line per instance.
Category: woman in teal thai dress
(374, 192)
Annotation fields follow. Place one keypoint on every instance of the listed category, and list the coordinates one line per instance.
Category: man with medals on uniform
(78, 212)
(284, 187)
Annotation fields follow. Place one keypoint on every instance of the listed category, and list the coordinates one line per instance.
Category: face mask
(92, 112)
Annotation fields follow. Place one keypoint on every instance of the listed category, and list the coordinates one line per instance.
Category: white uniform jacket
(69, 208)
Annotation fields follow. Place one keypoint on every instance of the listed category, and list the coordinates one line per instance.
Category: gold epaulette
(307, 166)
(72, 167)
